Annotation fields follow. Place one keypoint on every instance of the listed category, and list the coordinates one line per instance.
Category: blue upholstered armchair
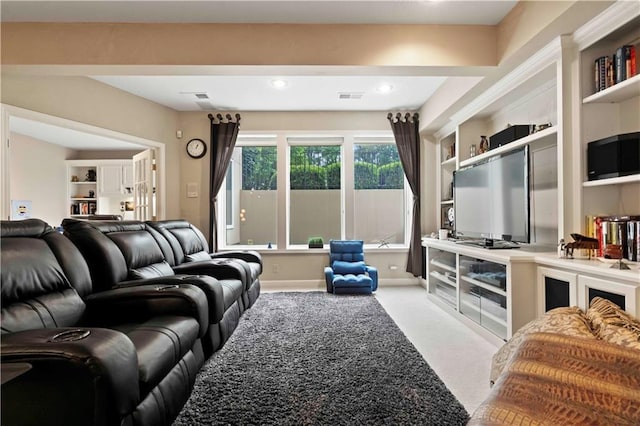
(347, 273)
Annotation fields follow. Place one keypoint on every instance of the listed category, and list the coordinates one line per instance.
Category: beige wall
(88, 101)
(248, 44)
(38, 173)
(197, 125)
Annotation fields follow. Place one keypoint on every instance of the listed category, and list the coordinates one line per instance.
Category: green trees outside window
(377, 166)
(259, 168)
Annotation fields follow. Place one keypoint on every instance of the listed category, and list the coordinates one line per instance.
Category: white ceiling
(301, 93)
(68, 138)
(308, 89)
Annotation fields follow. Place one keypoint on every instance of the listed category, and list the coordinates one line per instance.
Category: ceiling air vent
(201, 95)
(350, 95)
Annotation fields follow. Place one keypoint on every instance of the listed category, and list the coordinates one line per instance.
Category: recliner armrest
(218, 268)
(328, 277)
(133, 303)
(211, 287)
(248, 256)
(78, 376)
(373, 273)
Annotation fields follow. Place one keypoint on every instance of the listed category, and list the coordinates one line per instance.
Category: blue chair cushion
(351, 281)
(342, 267)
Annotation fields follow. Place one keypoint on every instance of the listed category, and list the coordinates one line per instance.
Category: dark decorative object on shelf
(90, 176)
(580, 242)
(510, 134)
(484, 145)
(316, 242)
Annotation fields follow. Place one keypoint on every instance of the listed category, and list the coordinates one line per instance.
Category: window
(333, 187)
(254, 192)
(315, 197)
(379, 194)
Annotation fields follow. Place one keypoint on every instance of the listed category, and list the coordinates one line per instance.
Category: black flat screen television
(492, 198)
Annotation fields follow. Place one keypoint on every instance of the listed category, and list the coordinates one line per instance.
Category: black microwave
(614, 156)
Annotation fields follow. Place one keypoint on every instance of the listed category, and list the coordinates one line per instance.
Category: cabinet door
(624, 295)
(555, 289)
(127, 178)
(110, 179)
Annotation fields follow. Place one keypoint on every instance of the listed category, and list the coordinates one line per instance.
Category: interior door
(145, 185)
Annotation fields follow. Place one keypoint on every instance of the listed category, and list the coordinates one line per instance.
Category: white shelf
(82, 199)
(83, 183)
(485, 286)
(543, 138)
(450, 162)
(612, 181)
(446, 202)
(443, 279)
(443, 266)
(630, 88)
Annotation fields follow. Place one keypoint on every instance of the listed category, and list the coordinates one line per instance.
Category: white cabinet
(574, 282)
(98, 186)
(491, 290)
(622, 294)
(556, 288)
(612, 111)
(115, 178)
(82, 187)
(441, 276)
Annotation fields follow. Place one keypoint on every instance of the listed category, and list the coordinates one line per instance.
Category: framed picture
(128, 206)
(20, 209)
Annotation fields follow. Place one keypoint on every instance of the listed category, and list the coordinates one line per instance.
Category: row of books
(83, 208)
(610, 70)
(621, 231)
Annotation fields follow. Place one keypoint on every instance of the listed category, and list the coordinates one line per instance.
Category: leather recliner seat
(128, 253)
(190, 248)
(71, 356)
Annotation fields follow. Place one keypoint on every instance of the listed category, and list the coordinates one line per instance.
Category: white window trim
(283, 139)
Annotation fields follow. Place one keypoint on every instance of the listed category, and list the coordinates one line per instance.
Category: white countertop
(593, 266)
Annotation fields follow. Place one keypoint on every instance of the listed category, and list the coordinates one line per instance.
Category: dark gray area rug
(319, 359)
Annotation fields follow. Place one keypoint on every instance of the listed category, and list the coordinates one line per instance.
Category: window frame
(310, 140)
(282, 140)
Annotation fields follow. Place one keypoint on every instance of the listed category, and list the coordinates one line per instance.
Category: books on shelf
(83, 208)
(610, 70)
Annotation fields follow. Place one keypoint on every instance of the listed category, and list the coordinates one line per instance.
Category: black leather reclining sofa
(190, 248)
(125, 253)
(79, 352)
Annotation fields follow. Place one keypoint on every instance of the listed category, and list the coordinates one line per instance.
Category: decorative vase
(484, 144)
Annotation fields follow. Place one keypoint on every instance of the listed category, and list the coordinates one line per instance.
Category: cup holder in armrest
(167, 287)
(70, 335)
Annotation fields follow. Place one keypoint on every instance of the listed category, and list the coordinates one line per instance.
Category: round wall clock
(196, 148)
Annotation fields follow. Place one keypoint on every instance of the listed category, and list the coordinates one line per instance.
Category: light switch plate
(192, 190)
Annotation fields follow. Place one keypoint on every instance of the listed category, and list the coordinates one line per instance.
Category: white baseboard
(320, 285)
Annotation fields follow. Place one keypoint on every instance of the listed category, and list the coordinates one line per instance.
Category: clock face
(196, 148)
(451, 214)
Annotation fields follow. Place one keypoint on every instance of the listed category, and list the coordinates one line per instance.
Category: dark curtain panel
(405, 131)
(223, 140)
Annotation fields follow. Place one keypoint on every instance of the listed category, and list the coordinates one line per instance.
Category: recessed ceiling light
(384, 88)
(279, 83)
